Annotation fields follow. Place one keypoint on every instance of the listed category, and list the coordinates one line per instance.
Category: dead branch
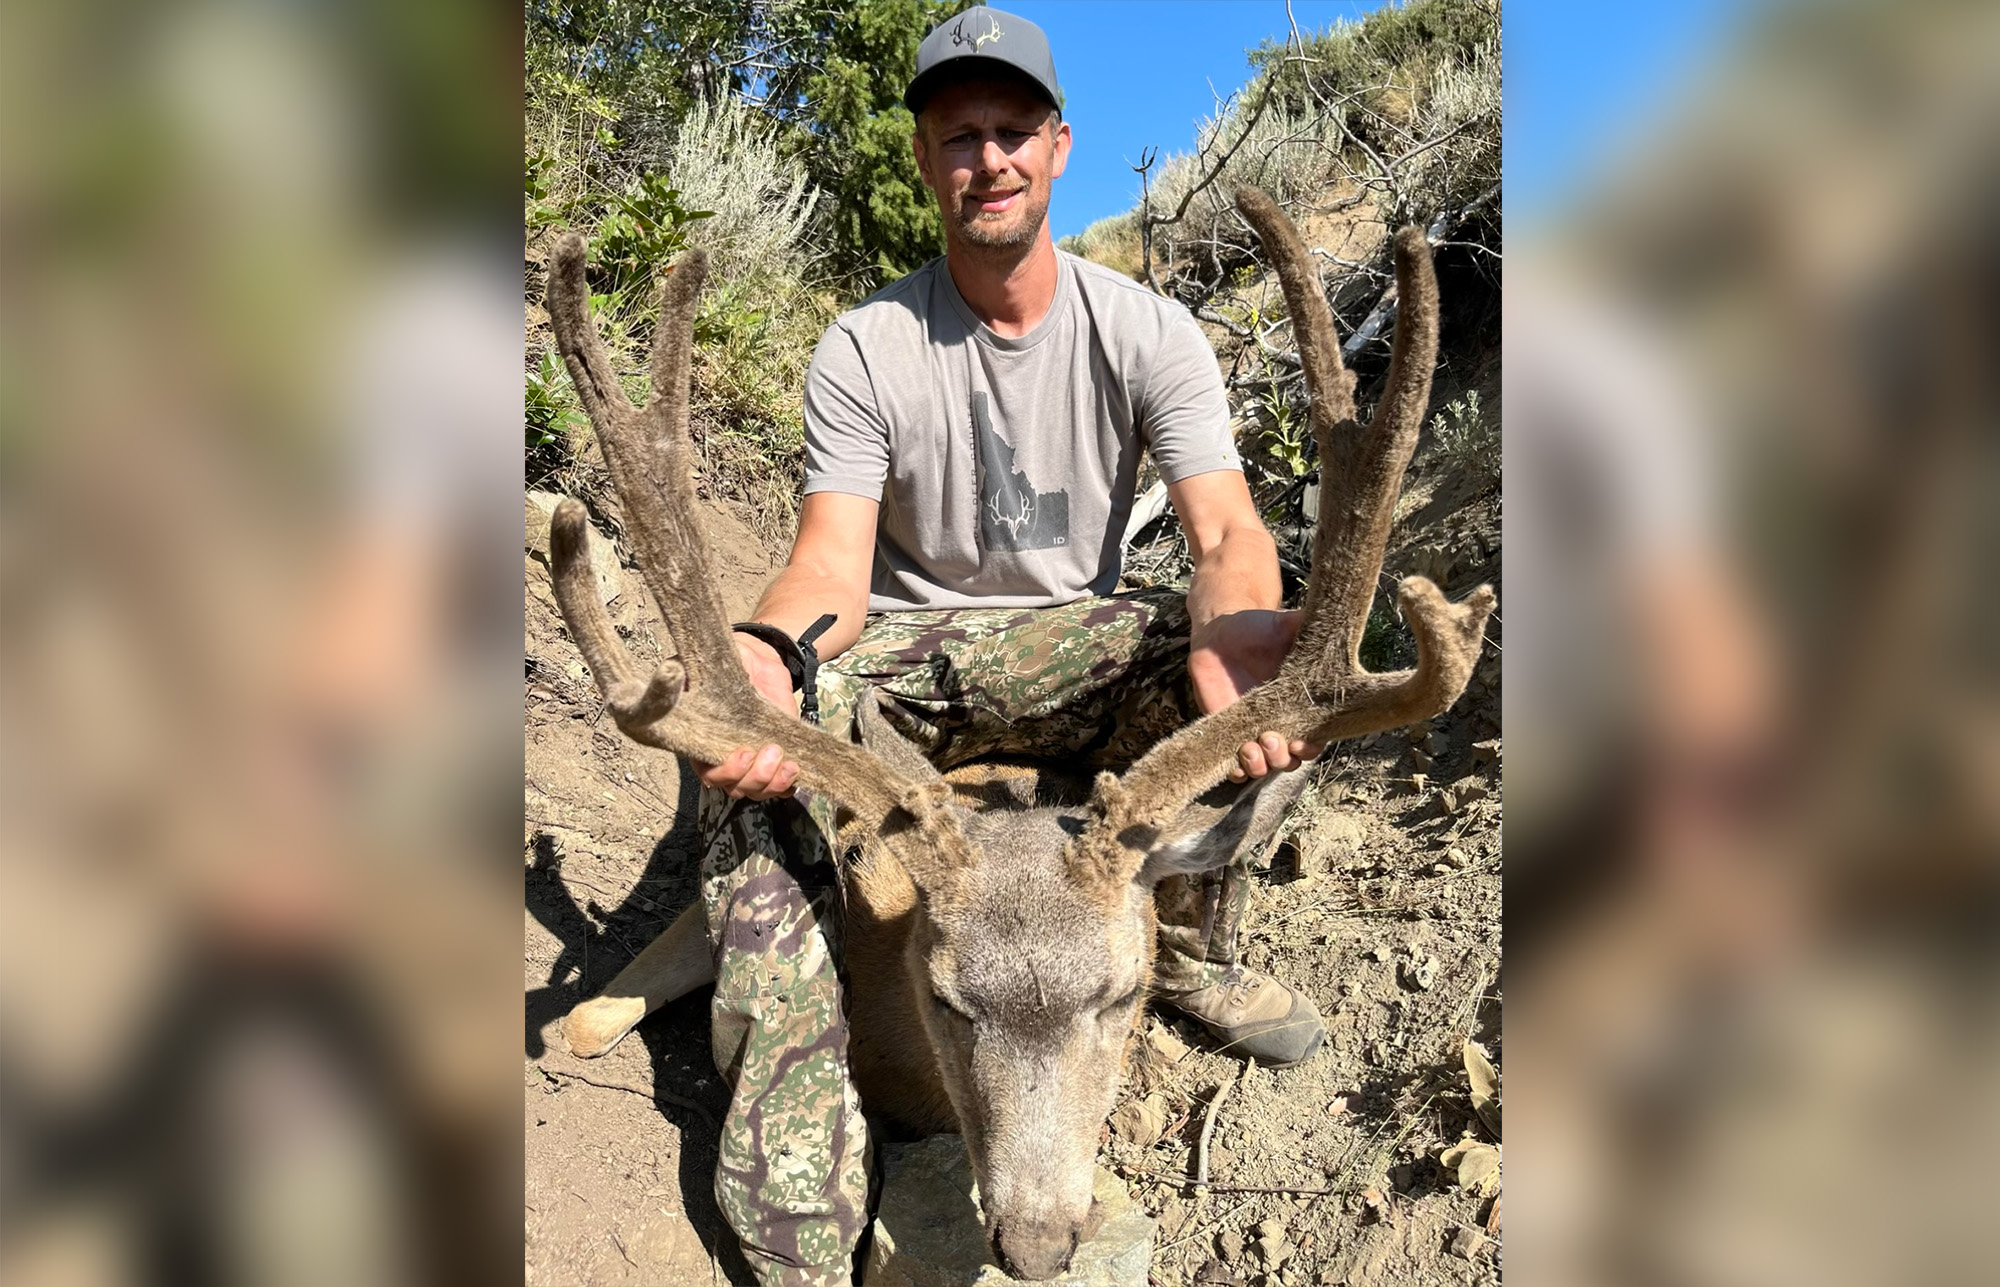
(1208, 1123)
(1144, 169)
(1168, 1177)
(1148, 221)
(663, 1096)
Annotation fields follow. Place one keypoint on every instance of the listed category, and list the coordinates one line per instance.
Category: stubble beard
(1003, 233)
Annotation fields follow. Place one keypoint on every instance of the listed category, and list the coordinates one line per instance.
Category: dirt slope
(618, 1182)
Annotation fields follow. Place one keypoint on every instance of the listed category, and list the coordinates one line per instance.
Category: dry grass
(1113, 242)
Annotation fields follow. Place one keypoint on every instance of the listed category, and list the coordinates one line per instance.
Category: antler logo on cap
(984, 38)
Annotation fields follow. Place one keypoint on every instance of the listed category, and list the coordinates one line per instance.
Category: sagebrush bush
(1464, 438)
(746, 201)
(1347, 101)
(1113, 242)
(727, 159)
(1460, 103)
(763, 310)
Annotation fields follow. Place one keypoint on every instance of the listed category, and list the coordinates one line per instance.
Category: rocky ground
(1382, 903)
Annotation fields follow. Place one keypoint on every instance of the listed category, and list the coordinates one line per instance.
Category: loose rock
(1272, 1252)
(929, 1230)
(1142, 1121)
(1166, 1044)
(1332, 840)
(1467, 1243)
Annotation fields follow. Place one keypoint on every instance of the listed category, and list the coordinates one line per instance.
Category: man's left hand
(1232, 654)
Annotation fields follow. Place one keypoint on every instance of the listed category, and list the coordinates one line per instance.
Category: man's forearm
(1239, 574)
(802, 594)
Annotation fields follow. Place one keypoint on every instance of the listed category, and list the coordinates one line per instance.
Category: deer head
(1032, 936)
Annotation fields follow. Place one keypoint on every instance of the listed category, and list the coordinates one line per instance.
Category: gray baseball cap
(982, 35)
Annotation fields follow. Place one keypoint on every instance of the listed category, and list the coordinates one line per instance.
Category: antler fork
(1322, 693)
(702, 705)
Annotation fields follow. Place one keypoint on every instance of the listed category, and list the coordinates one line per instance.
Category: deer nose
(1036, 1250)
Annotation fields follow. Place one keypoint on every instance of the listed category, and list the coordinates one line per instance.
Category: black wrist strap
(800, 657)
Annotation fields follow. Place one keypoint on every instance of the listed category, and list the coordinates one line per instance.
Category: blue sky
(1136, 75)
(1580, 78)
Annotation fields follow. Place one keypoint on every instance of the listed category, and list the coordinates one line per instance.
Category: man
(973, 434)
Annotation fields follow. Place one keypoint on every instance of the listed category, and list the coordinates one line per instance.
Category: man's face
(990, 150)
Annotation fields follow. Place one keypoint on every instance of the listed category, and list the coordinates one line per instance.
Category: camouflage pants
(1094, 683)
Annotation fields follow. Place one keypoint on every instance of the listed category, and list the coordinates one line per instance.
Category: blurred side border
(259, 357)
(1750, 461)
(259, 381)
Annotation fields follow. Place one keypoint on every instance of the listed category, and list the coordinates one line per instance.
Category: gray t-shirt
(1006, 466)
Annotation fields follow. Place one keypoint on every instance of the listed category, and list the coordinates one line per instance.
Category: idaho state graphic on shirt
(1012, 514)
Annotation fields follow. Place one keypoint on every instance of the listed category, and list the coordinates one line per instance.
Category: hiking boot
(1253, 1014)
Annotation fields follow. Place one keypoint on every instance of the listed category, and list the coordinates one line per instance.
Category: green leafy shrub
(770, 135)
(645, 230)
(1287, 438)
(552, 411)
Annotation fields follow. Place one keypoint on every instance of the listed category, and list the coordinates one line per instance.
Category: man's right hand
(758, 774)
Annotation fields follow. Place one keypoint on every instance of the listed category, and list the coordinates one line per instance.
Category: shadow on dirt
(599, 941)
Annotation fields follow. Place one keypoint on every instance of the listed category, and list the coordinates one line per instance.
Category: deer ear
(892, 748)
(1222, 822)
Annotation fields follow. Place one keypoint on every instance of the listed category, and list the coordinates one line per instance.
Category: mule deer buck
(998, 958)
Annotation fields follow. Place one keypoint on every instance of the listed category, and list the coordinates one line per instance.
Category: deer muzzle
(1036, 1249)
(1037, 1221)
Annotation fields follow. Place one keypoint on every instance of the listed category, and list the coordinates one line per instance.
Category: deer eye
(946, 1005)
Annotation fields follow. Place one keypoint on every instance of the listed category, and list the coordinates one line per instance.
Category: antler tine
(1321, 694)
(1366, 468)
(648, 455)
(590, 368)
(703, 705)
(1327, 380)
(1361, 470)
